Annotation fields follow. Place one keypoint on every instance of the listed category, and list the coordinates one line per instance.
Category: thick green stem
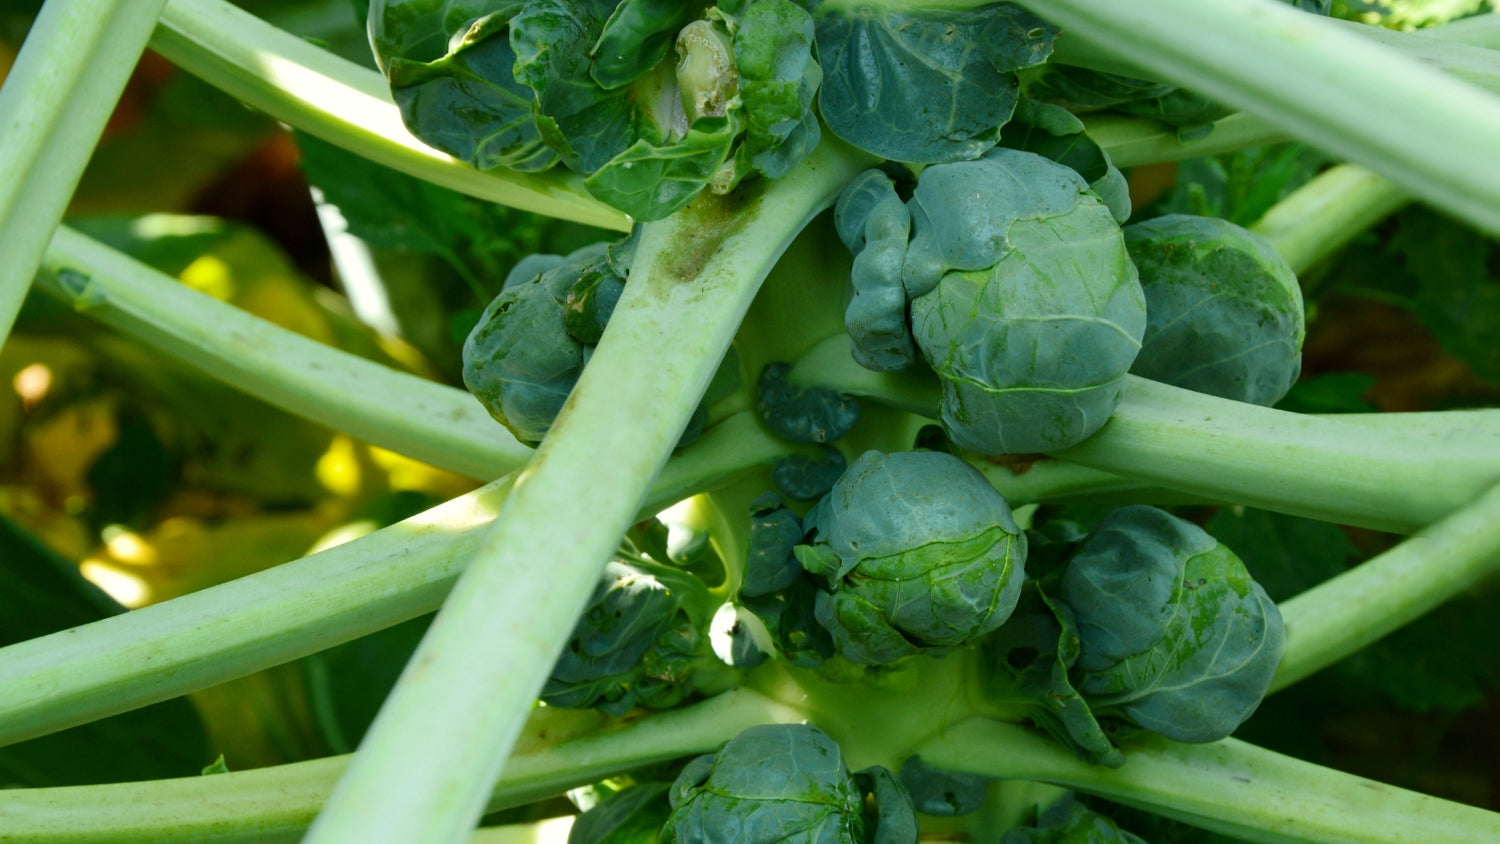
(1396, 475)
(1133, 140)
(457, 709)
(1328, 213)
(1393, 472)
(53, 107)
(1333, 620)
(313, 90)
(431, 422)
(1430, 133)
(558, 749)
(298, 608)
(1227, 786)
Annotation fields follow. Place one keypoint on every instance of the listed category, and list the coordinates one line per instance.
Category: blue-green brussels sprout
(520, 360)
(926, 87)
(785, 783)
(876, 226)
(915, 551)
(1174, 633)
(1024, 301)
(530, 345)
(1224, 311)
(1069, 822)
(634, 815)
(1022, 297)
(642, 641)
(802, 414)
(935, 791)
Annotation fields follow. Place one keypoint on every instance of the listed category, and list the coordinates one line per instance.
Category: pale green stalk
(431, 422)
(53, 107)
(1430, 133)
(1394, 472)
(298, 608)
(1396, 475)
(1327, 213)
(313, 90)
(1342, 615)
(1133, 140)
(455, 712)
(558, 749)
(1227, 786)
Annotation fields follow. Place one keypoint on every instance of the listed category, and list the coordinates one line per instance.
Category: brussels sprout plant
(889, 461)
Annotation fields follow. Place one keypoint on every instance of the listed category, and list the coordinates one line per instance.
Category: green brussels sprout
(1022, 297)
(1069, 822)
(530, 345)
(634, 815)
(876, 226)
(642, 641)
(942, 793)
(520, 360)
(1224, 312)
(1025, 302)
(915, 551)
(802, 414)
(785, 783)
(1174, 633)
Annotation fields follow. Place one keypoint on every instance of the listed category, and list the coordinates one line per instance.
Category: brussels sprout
(785, 783)
(802, 414)
(1069, 822)
(642, 641)
(634, 815)
(1022, 296)
(916, 551)
(944, 793)
(1174, 634)
(1224, 311)
(530, 345)
(876, 226)
(1025, 302)
(520, 360)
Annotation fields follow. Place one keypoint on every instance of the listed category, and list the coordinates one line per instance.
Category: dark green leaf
(40, 593)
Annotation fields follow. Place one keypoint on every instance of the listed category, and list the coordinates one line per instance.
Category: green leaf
(1459, 297)
(480, 240)
(650, 181)
(926, 88)
(636, 38)
(1286, 555)
(41, 593)
(1335, 392)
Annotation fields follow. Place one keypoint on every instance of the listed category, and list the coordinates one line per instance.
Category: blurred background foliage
(126, 478)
